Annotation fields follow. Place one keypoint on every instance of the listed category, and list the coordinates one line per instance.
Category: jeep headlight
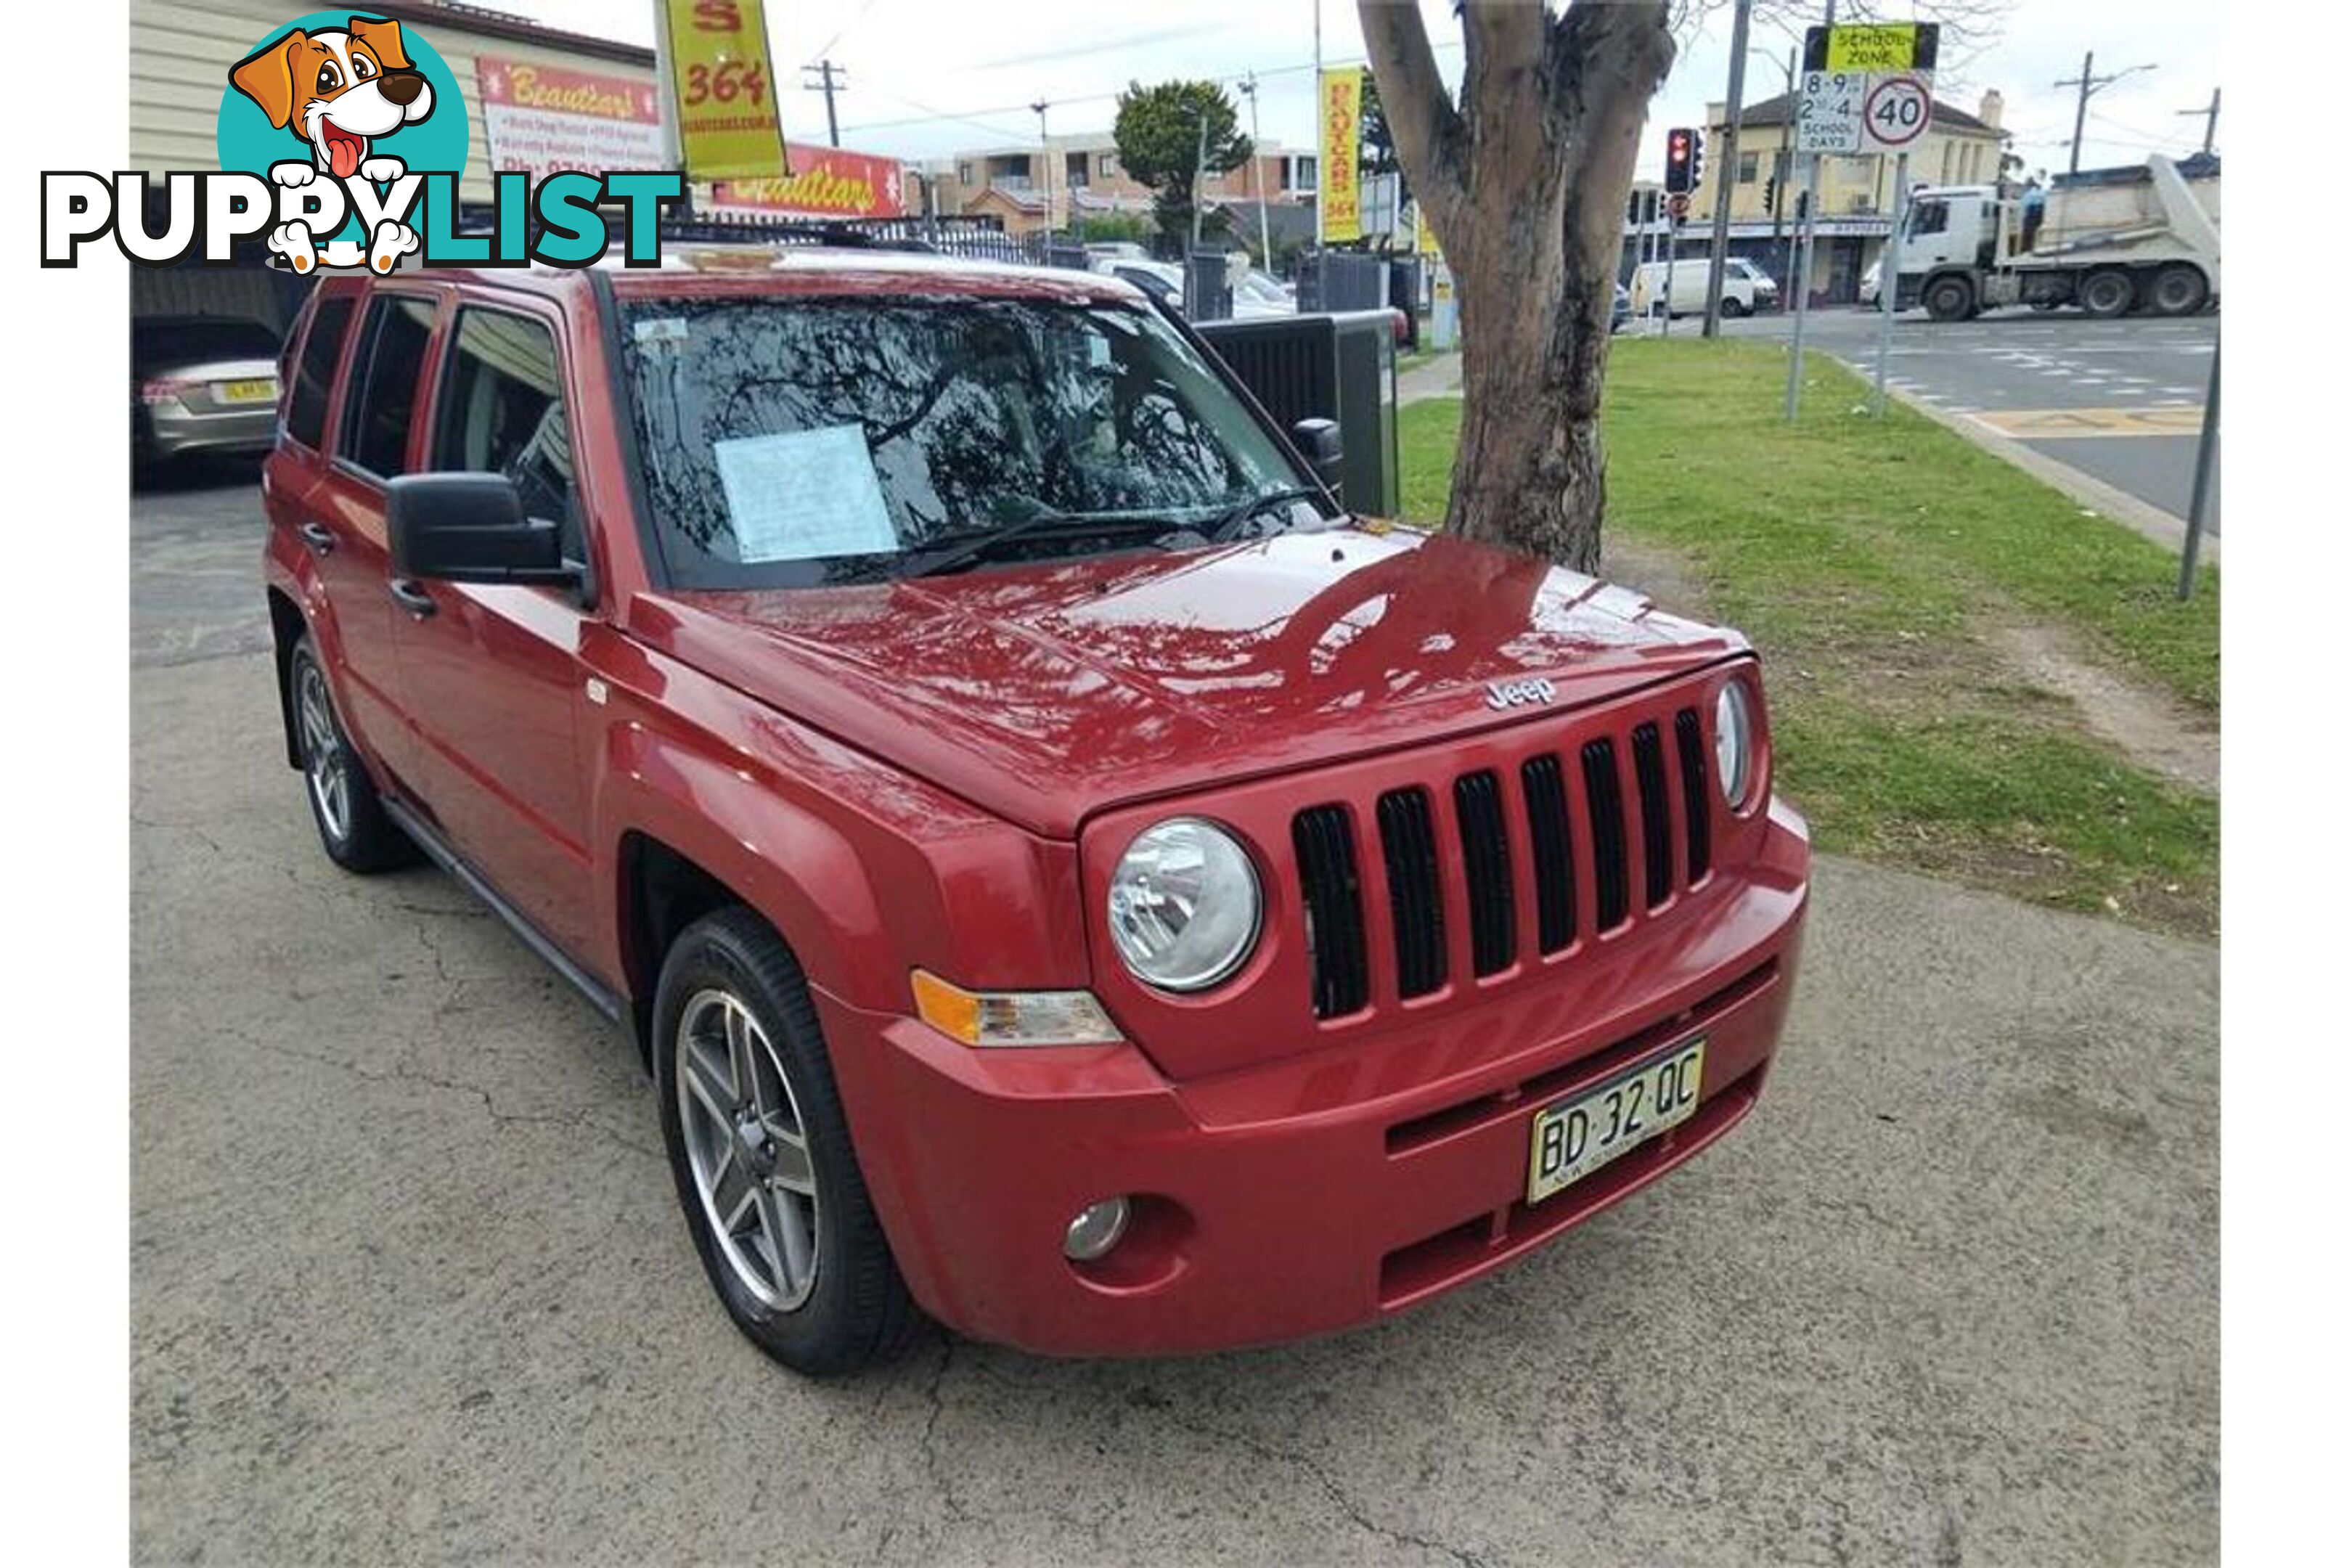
(1735, 747)
(1184, 905)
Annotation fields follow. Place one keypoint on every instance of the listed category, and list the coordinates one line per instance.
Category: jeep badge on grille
(1502, 694)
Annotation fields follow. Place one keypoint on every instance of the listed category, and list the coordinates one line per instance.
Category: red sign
(825, 182)
(548, 118)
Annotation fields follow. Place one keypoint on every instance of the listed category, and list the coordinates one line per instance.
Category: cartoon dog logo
(341, 91)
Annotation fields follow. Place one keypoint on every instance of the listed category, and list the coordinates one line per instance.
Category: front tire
(762, 1155)
(1950, 300)
(353, 827)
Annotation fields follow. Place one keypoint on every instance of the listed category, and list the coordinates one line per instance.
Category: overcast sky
(934, 77)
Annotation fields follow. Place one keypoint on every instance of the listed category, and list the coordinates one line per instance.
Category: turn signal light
(1012, 1017)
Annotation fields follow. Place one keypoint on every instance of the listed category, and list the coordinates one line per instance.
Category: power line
(2212, 113)
(930, 116)
(825, 48)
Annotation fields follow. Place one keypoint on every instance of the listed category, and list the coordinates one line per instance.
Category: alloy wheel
(747, 1147)
(325, 762)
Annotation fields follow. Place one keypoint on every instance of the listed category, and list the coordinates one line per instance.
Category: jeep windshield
(790, 442)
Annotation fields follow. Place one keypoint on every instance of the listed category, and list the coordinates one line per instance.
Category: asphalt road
(407, 1280)
(2121, 400)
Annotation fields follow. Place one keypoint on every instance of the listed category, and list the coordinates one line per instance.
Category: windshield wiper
(961, 550)
(1230, 523)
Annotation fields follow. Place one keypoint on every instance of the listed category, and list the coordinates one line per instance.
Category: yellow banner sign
(724, 90)
(1878, 47)
(1341, 105)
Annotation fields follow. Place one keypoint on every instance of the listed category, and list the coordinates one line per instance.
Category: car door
(311, 493)
(490, 673)
(368, 447)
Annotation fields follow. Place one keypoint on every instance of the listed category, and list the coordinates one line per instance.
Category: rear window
(392, 357)
(306, 420)
(162, 344)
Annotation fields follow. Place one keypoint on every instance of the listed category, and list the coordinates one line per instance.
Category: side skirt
(600, 996)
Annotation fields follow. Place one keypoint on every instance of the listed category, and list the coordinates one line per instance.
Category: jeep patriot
(1066, 877)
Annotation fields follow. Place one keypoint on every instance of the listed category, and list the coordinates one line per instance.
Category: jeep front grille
(1532, 854)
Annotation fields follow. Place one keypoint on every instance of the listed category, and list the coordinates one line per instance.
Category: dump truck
(2144, 237)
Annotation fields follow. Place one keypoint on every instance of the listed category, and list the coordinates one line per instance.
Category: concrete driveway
(408, 1281)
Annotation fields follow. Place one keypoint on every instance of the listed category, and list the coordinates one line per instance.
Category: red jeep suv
(1065, 874)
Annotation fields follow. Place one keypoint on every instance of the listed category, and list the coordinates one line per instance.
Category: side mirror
(469, 528)
(1318, 442)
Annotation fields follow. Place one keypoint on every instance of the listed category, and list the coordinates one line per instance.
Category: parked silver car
(202, 384)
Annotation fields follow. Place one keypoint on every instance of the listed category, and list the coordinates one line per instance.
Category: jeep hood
(1044, 693)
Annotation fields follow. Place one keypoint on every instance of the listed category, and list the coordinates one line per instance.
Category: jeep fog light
(1012, 1017)
(1184, 905)
(1096, 1230)
(1734, 744)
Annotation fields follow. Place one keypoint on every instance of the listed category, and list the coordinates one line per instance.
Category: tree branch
(1429, 139)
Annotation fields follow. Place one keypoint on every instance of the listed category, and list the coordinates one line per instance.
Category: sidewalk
(1440, 377)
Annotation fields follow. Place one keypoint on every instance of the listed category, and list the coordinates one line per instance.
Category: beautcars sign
(546, 119)
(825, 182)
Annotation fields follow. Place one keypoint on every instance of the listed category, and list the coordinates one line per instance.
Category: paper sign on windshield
(805, 495)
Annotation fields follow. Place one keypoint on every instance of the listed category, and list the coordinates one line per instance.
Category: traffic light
(1772, 195)
(1682, 160)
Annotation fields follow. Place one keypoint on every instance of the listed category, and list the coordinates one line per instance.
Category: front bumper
(1311, 1194)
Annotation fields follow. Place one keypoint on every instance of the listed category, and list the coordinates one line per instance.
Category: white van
(1746, 288)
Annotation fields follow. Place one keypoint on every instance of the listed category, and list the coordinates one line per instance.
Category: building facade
(1062, 179)
(1858, 202)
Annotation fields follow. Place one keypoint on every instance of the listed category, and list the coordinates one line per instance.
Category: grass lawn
(1877, 565)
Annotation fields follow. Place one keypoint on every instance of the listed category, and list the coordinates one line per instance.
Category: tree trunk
(1525, 186)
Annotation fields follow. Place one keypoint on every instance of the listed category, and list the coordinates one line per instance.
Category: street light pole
(1726, 170)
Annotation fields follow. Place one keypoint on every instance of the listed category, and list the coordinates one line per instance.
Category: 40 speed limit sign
(1894, 113)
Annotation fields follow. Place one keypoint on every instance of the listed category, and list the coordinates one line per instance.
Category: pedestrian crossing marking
(2053, 424)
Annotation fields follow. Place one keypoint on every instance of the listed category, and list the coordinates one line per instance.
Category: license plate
(1576, 1137)
(247, 391)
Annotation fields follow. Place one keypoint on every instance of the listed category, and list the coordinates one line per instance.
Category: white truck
(2143, 237)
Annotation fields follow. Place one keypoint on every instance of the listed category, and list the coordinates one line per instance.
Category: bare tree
(1525, 182)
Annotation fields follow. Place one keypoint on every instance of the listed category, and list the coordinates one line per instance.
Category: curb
(2150, 521)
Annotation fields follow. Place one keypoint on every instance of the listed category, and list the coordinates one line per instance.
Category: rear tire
(761, 1155)
(353, 827)
(2178, 290)
(1950, 300)
(2106, 293)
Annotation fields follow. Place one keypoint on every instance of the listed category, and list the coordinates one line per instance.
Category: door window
(502, 412)
(392, 342)
(305, 419)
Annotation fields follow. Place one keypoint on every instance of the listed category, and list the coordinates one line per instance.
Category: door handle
(411, 596)
(318, 536)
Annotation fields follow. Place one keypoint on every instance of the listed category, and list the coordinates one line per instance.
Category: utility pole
(2084, 86)
(1258, 176)
(1045, 164)
(1726, 170)
(1803, 244)
(1200, 161)
(2212, 112)
(1322, 174)
(1783, 166)
(831, 79)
